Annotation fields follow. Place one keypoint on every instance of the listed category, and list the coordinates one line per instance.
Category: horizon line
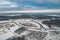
(32, 11)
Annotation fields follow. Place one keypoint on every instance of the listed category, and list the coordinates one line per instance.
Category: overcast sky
(29, 4)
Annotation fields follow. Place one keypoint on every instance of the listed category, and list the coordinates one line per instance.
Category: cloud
(7, 4)
(28, 4)
(31, 7)
(4, 2)
(40, 4)
(44, 1)
(54, 1)
(33, 11)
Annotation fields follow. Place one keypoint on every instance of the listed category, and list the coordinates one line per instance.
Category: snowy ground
(42, 33)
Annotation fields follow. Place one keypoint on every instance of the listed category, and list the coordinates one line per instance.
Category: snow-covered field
(41, 32)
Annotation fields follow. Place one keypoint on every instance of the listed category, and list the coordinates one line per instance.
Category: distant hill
(28, 15)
